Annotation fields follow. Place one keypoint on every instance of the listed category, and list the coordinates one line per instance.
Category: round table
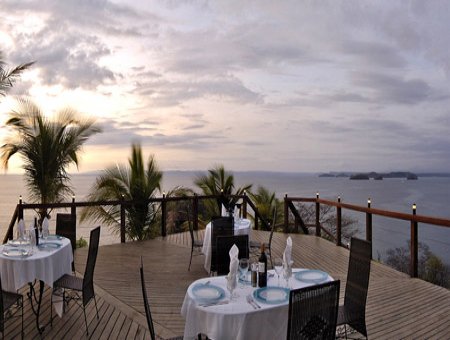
(238, 319)
(45, 265)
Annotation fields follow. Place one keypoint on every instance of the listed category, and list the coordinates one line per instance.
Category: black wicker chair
(7, 301)
(196, 244)
(85, 285)
(353, 311)
(313, 312)
(148, 313)
(224, 244)
(221, 226)
(66, 226)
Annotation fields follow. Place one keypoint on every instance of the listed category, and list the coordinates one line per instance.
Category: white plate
(207, 292)
(311, 276)
(15, 252)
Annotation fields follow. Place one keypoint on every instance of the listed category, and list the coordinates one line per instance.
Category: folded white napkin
(287, 252)
(224, 211)
(234, 262)
(21, 229)
(236, 213)
(45, 225)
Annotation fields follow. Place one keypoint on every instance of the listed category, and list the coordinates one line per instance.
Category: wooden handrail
(413, 218)
(20, 207)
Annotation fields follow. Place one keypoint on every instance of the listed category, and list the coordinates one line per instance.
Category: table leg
(37, 299)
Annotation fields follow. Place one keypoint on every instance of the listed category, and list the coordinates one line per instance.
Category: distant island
(376, 176)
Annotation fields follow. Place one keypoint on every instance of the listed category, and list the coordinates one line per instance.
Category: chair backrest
(224, 244)
(313, 311)
(221, 226)
(148, 313)
(2, 312)
(66, 226)
(358, 282)
(88, 279)
(274, 222)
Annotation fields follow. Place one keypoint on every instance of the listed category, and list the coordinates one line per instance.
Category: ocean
(430, 194)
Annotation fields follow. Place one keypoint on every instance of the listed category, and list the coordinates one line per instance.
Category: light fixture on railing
(414, 207)
(317, 195)
(368, 202)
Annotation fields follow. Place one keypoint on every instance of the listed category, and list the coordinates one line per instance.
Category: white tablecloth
(238, 319)
(241, 227)
(45, 265)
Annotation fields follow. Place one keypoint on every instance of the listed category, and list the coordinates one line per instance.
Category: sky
(294, 86)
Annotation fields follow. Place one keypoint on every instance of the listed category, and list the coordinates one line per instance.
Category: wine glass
(243, 269)
(287, 272)
(231, 285)
(278, 266)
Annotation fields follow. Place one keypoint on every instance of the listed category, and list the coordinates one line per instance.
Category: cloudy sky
(254, 85)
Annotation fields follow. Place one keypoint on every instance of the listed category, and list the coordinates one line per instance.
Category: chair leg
(85, 320)
(21, 305)
(95, 300)
(190, 261)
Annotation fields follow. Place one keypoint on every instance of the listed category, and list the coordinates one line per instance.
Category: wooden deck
(398, 307)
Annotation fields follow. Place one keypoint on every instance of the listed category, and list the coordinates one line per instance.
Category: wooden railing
(289, 208)
(163, 201)
(412, 218)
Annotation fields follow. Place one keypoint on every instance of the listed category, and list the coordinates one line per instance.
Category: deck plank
(398, 307)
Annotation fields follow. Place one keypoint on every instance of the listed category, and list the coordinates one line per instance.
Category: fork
(252, 301)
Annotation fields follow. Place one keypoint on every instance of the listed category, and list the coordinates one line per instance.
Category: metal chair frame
(84, 285)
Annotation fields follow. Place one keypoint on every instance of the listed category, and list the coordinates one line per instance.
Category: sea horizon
(430, 194)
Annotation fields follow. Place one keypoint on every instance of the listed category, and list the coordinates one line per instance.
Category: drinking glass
(45, 233)
(278, 266)
(231, 285)
(287, 272)
(243, 269)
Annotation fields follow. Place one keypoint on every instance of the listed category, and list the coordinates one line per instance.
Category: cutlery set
(252, 302)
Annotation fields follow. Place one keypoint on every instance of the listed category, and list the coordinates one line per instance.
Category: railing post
(318, 231)
(122, 220)
(244, 205)
(20, 208)
(368, 223)
(286, 214)
(163, 216)
(195, 212)
(414, 246)
(338, 223)
(73, 209)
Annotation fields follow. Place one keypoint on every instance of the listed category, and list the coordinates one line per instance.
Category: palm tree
(9, 76)
(219, 181)
(269, 207)
(130, 183)
(47, 148)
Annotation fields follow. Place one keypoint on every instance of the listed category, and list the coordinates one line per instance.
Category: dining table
(242, 226)
(253, 313)
(21, 264)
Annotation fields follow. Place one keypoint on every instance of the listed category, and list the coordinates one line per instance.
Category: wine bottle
(262, 268)
(36, 231)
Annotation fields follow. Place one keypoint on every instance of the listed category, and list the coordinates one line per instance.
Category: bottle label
(261, 267)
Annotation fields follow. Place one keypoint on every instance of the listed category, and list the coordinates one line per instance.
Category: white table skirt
(44, 265)
(241, 227)
(238, 319)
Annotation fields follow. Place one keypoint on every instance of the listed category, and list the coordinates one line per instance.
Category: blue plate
(311, 276)
(49, 245)
(54, 237)
(272, 295)
(207, 293)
